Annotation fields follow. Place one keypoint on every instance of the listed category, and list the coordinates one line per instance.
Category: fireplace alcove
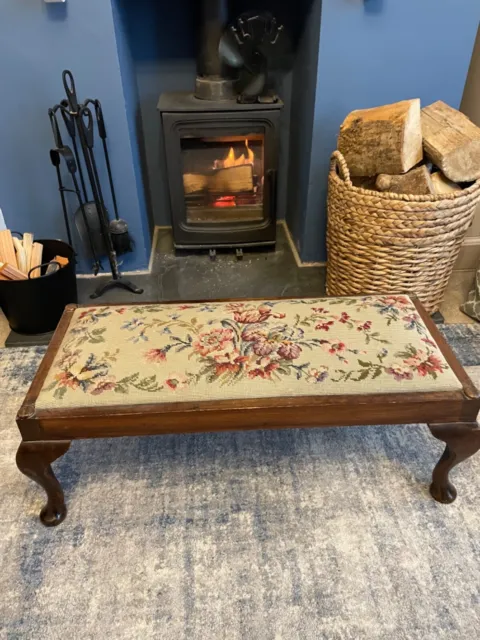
(162, 46)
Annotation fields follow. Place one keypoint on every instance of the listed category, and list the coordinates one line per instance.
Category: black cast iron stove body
(222, 163)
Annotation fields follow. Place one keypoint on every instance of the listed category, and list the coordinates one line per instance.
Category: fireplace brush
(122, 240)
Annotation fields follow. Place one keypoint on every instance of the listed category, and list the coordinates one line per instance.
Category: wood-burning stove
(222, 161)
(221, 155)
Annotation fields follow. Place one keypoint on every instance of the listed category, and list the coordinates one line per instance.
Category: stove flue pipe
(213, 81)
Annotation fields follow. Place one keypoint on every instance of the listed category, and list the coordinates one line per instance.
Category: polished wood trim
(295, 402)
(468, 386)
(101, 422)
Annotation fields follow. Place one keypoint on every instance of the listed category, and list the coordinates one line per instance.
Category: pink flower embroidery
(253, 334)
(324, 326)
(289, 350)
(67, 379)
(214, 340)
(264, 369)
(253, 315)
(104, 385)
(155, 355)
(250, 316)
(229, 360)
(264, 347)
(336, 347)
(366, 326)
(344, 318)
(400, 301)
(176, 381)
(425, 365)
(399, 373)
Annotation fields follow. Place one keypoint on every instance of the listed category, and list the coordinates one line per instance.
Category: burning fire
(232, 161)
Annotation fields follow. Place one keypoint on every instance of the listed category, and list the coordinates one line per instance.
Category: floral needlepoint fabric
(251, 349)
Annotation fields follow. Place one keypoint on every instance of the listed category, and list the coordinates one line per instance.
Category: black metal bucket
(36, 305)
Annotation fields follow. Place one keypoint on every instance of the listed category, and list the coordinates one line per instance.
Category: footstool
(143, 369)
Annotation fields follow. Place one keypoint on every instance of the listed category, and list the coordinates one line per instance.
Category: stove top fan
(250, 45)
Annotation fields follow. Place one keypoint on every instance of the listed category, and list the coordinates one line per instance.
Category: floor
(293, 534)
(259, 274)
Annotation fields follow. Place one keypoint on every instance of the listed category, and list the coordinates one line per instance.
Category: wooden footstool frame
(47, 434)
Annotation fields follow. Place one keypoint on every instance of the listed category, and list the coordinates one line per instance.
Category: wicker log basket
(393, 243)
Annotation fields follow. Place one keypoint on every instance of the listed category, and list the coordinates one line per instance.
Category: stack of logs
(402, 148)
(22, 259)
(18, 257)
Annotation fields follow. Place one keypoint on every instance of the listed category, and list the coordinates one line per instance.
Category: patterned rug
(279, 535)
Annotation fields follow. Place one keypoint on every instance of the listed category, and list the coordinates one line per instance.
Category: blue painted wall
(350, 54)
(162, 46)
(378, 52)
(302, 117)
(37, 41)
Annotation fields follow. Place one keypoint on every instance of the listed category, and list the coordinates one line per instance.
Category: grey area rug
(281, 535)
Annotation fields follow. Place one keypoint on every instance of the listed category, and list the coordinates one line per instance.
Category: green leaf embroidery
(60, 392)
(362, 363)
(363, 375)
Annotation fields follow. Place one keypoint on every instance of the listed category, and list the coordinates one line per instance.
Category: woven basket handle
(337, 162)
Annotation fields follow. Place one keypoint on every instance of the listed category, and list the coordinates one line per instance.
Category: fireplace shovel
(86, 218)
(85, 230)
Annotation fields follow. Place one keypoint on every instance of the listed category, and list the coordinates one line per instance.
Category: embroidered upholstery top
(158, 353)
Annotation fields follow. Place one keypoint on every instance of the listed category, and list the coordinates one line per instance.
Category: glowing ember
(232, 161)
(225, 201)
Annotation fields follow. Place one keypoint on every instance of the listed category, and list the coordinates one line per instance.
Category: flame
(232, 161)
(251, 155)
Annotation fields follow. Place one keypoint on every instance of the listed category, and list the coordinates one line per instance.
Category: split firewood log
(385, 139)
(415, 182)
(7, 248)
(451, 141)
(441, 184)
(194, 182)
(231, 179)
